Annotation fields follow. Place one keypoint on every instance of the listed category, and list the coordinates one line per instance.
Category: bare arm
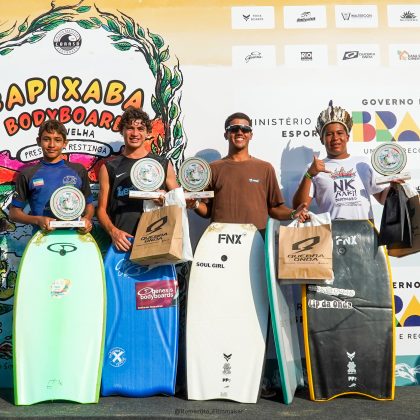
(89, 211)
(16, 214)
(302, 193)
(283, 212)
(203, 208)
(119, 237)
(171, 182)
(87, 218)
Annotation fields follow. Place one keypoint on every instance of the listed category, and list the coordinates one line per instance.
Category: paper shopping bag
(305, 253)
(158, 238)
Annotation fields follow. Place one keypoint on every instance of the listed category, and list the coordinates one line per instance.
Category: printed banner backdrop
(189, 64)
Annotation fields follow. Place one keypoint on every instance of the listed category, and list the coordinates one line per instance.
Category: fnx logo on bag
(305, 244)
(157, 225)
(229, 239)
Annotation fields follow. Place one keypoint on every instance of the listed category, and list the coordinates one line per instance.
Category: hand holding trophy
(194, 176)
(67, 204)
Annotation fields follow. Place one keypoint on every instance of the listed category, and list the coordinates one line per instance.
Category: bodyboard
(283, 319)
(227, 314)
(59, 319)
(141, 344)
(349, 327)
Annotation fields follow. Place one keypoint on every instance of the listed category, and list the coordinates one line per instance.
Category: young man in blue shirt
(36, 184)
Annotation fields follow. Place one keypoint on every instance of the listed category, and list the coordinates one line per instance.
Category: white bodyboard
(227, 316)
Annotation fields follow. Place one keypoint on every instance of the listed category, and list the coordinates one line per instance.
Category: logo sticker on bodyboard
(156, 294)
(60, 288)
(116, 357)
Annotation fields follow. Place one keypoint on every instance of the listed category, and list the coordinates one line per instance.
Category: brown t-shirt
(243, 191)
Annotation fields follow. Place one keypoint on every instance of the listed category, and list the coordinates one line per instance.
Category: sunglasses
(236, 127)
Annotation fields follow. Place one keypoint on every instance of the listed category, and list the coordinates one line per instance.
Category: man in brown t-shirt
(245, 188)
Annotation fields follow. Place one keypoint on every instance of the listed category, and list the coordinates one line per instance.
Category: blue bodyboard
(141, 342)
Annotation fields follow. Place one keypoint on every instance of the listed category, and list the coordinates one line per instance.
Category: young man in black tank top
(117, 213)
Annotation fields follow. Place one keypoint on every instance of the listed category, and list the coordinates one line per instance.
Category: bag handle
(315, 220)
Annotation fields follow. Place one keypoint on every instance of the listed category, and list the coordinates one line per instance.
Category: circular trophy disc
(147, 174)
(194, 174)
(389, 159)
(67, 203)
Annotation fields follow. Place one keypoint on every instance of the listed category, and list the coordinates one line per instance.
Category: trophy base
(67, 224)
(146, 195)
(150, 195)
(389, 178)
(198, 194)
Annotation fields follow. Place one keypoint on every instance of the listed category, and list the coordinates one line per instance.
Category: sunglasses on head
(236, 127)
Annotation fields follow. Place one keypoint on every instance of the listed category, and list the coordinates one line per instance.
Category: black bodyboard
(348, 326)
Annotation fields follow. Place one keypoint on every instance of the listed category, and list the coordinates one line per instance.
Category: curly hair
(132, 114)
(53, 125)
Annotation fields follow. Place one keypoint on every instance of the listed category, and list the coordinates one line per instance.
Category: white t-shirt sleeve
(373, 186)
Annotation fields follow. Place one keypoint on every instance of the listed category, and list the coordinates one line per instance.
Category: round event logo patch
(116, 357)
(67, 41)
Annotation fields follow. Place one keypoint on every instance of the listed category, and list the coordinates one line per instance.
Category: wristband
(292, 214)
(308, 175)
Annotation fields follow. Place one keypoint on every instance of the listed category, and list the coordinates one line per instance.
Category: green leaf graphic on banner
(173, 111)
(153, 66)
(175, 155)
(23, 27)
(140, 31)
(86, 24)
(6, 51)
(177, 78)
(177, 130)
(107, 28)
(164, 55)
(96, 20)
(129, 26)
(116, 37)
(53, 25)
(167, 94)
(112, 25)
(167, 74)
(8, 32)
(157, 40)
(122, 46)
(83, 9)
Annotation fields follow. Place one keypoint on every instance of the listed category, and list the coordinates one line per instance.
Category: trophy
(194, 176)
(147, 175)
(67, 204)
(389, 159)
